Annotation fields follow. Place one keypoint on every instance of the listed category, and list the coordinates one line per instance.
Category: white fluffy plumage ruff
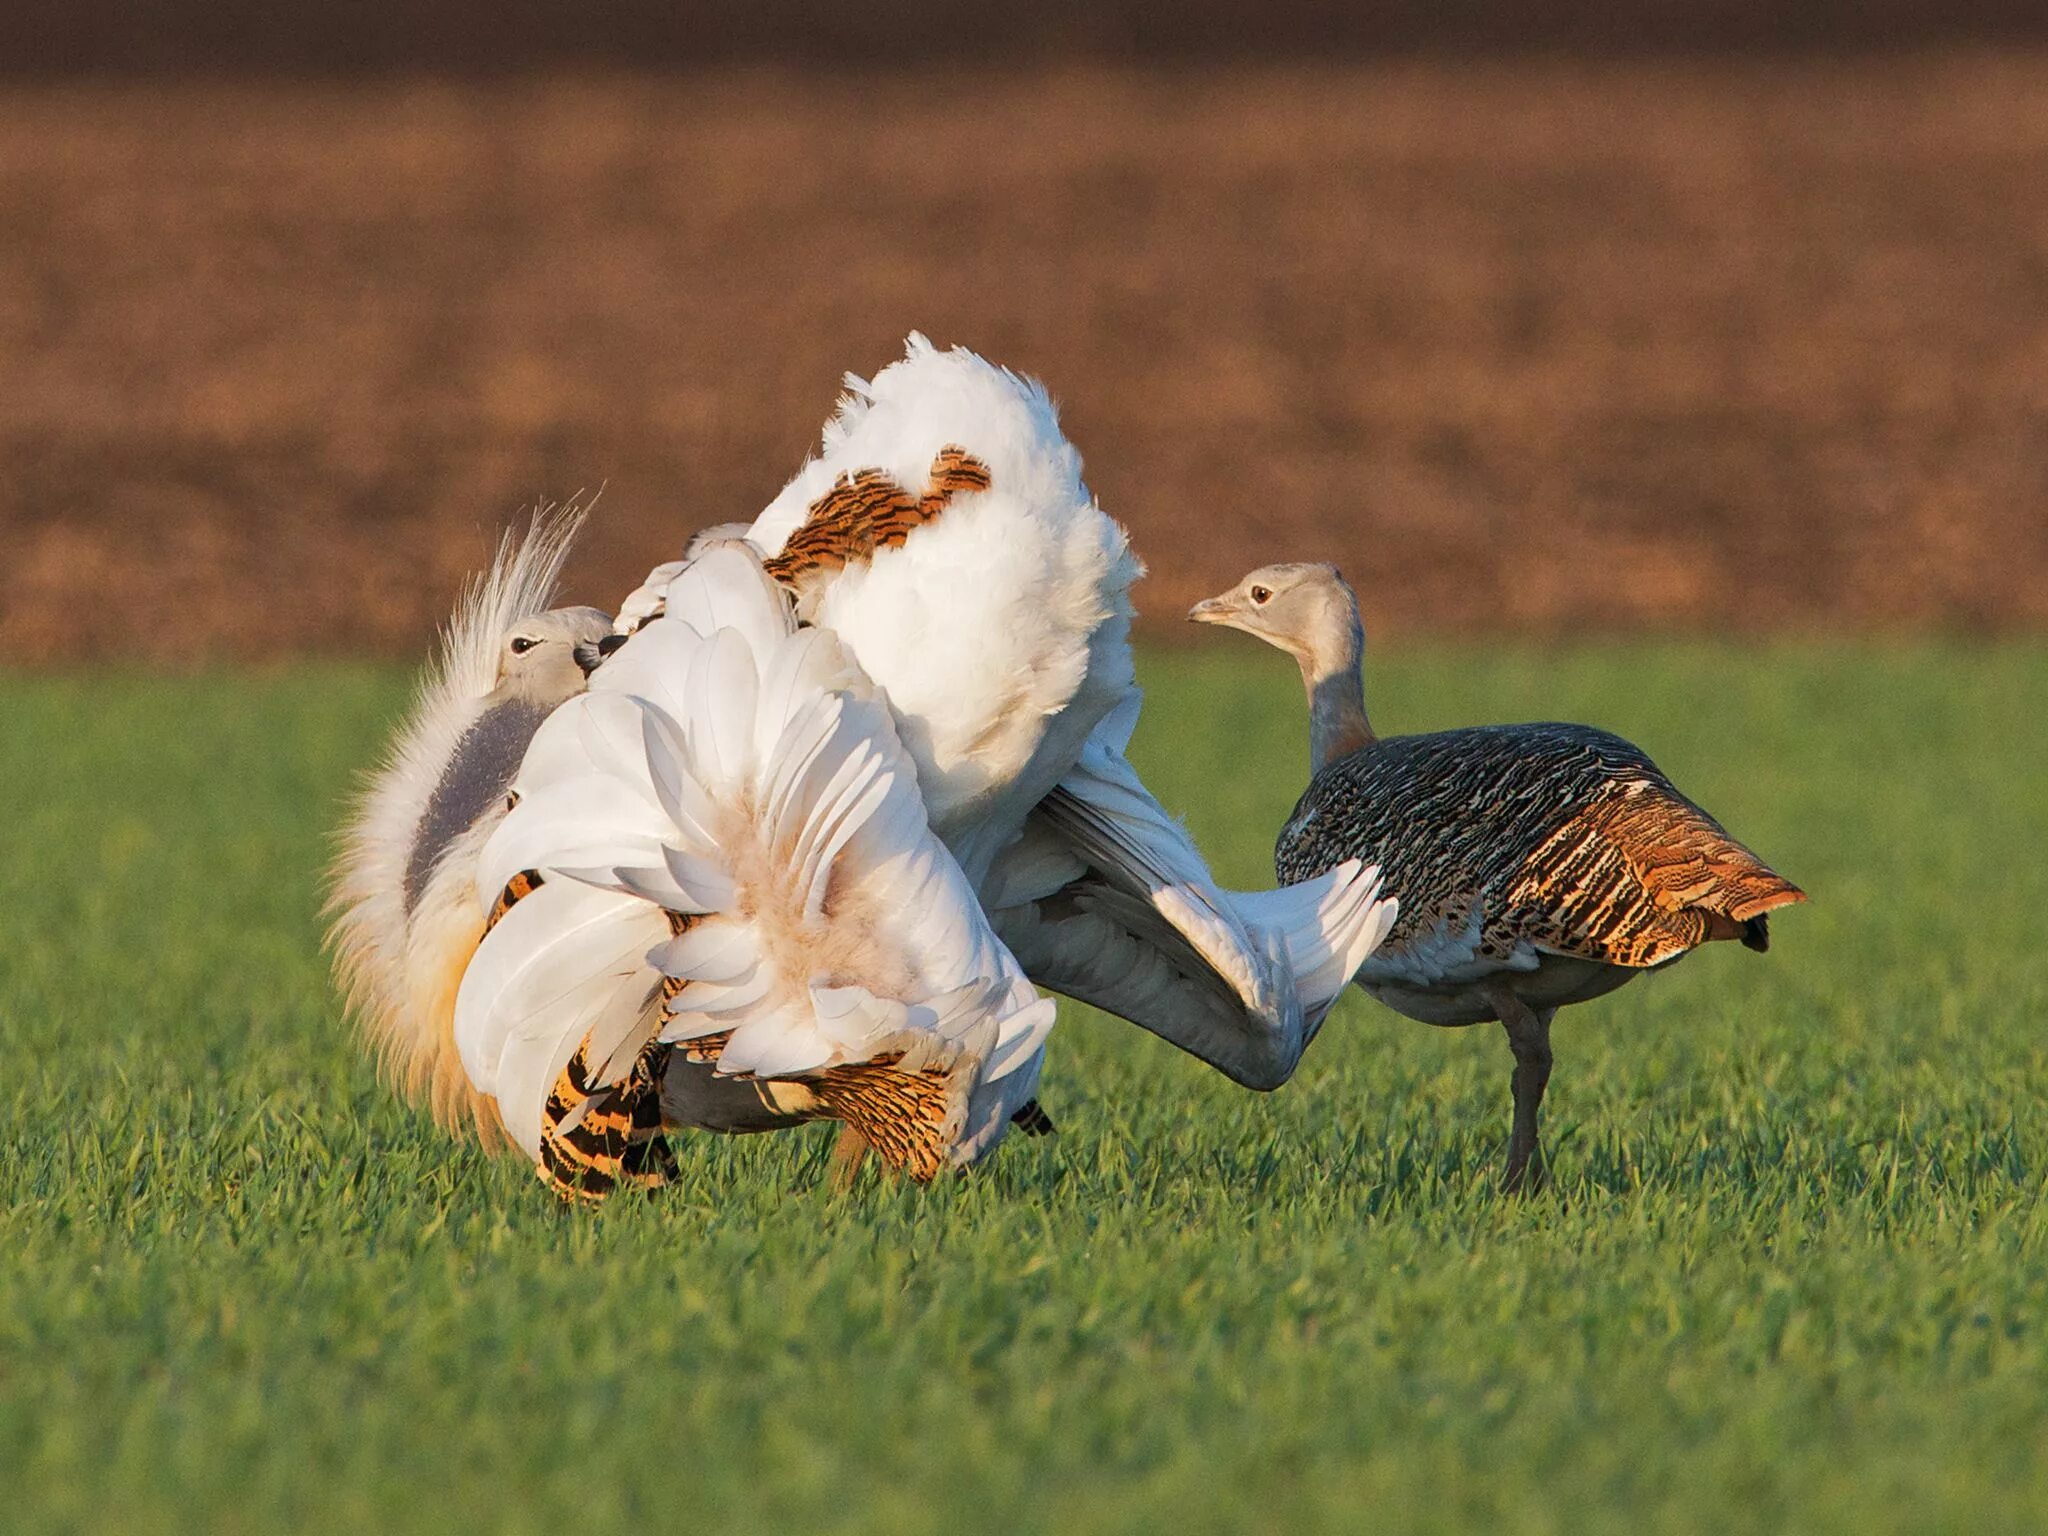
(734, 859)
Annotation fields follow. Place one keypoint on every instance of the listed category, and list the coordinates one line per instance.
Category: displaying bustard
(717, 879)
(840, 927)
(945, 535)
(1535, 865)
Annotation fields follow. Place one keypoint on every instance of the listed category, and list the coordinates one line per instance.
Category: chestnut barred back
(1564, 836)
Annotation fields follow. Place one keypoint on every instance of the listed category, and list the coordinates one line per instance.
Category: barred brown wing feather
(1636, 879)
(1451, 817)
(907, 1116)
(597, 1137)
(517, 889)
(868, 511)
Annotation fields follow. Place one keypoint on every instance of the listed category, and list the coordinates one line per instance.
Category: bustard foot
(1527, 1173)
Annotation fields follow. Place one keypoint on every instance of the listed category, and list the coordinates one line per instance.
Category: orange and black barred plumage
(869, 511)
(1565, 837)
(517, 889)
(865, 511)
(1032, 1119)
(597, 1138)
(904, 1115)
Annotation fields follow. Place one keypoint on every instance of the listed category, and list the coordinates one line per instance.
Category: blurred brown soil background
(1724, 343)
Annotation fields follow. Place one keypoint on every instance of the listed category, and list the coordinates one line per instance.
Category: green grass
(1791, 1275)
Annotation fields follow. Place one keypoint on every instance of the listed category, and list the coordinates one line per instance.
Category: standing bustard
(1535, 865)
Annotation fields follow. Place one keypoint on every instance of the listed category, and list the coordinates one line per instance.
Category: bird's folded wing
(1106, 899)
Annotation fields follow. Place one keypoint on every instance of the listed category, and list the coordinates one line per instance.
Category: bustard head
(505, 661)
(1306, 609)
(547, 657)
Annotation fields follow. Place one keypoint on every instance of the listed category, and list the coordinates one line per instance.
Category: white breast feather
(1446, 954)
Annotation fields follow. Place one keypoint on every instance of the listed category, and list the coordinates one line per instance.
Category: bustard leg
(848, 1153)
(1529, 1037)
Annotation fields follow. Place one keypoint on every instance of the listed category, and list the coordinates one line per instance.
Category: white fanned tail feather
(736, 860)
(398, 967)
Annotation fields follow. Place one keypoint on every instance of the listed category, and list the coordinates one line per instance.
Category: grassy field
(1791, 1275)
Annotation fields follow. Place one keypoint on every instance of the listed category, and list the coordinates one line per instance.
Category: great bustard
(944, 548)
(1535, 865)
(717, 877)
(944, 534)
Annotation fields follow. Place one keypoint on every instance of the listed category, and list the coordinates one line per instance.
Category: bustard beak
(1212, 610)
(590, 654)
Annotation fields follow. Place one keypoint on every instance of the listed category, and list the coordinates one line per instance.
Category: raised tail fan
(728, 831)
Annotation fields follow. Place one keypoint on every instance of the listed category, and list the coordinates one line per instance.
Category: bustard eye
(1262, 594)
(522, 644)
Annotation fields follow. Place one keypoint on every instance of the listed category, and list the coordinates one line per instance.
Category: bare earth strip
(1724, 346)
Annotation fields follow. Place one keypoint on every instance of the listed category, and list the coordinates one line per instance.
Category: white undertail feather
(744, 774)
(399, 970)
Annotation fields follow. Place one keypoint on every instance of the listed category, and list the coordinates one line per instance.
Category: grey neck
(1337, 723)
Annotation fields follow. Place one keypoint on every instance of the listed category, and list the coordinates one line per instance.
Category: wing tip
(1782, 894)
